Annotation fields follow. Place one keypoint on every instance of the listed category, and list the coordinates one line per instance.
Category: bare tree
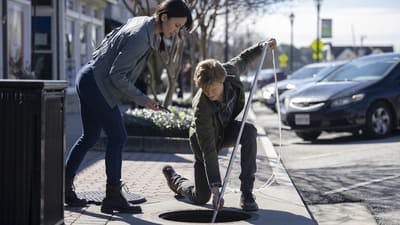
(205, 15)
(171, 58)
(144, 8)
(207, 12)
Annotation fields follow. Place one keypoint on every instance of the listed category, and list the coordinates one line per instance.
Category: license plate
(302, 119)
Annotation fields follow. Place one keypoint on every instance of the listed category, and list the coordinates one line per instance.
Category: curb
(279, 169)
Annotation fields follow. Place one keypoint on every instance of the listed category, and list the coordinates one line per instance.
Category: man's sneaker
(248, 202)
(171, 176)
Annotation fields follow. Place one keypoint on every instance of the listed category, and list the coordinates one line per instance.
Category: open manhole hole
(204, 216)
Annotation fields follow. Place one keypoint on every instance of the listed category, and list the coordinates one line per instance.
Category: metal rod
(4, 24)
(228, 170)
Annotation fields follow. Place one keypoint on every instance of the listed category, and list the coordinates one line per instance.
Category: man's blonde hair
(207, 72)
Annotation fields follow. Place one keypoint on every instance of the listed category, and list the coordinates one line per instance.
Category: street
(344, 179)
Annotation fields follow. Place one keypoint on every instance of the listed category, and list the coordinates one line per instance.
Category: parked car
(265, 76)
(307, 74)
(364, 94)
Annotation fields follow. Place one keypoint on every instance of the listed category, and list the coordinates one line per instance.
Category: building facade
(84, 30)
(15, 38)
(351, 52)
(52, 39)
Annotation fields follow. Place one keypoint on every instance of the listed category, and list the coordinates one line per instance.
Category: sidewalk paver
(279, 202)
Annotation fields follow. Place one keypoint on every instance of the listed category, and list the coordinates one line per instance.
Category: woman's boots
(71, 199)
(115, 201)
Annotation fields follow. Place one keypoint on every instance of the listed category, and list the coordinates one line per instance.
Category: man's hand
(215, 197)
(272, 43)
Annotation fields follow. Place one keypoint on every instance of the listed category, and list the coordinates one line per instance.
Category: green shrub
(146, 122)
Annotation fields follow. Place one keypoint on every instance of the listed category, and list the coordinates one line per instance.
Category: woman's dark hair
(173, 8)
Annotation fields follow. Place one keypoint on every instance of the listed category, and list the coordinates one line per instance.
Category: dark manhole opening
(204, 216)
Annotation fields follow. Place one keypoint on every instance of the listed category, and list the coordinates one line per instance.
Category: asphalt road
(344, 179)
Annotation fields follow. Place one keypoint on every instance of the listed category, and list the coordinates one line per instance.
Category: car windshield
(362, 70)
(304, 72)
(327, 70)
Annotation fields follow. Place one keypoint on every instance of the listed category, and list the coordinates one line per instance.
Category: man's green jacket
(206, 132)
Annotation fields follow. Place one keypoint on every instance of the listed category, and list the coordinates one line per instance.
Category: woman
(107, 80)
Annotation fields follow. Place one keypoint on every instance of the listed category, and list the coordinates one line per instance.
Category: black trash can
(32, 143)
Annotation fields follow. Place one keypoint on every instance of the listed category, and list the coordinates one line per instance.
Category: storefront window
(41, 58)
(84, 9)
(95, 36)
(15, 49)
(97, 13)
(44, 2)
(41, 26)
(83, 41)
(83, 33)
(70, 53)
(70, 4)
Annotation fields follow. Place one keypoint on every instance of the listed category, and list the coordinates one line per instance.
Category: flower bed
(146, 122)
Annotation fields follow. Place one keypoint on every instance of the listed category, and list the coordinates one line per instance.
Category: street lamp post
(291, 17)
(226, 53)
(318, 3)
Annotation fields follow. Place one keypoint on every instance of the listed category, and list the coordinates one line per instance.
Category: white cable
(246, 110)
(272, 178)
(277, 100)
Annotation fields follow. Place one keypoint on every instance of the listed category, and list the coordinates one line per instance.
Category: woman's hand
(150, 104)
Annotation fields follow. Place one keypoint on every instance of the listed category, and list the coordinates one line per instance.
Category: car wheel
(379, 120)
(308, 135)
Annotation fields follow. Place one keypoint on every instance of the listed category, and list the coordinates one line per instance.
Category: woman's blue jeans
(97, 115)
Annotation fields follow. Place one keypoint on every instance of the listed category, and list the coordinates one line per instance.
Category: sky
(377, 22)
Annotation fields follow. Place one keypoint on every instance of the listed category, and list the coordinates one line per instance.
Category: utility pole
(5, 40)
(361, 51)
(226, 31)
(318, 3)
(291, 17)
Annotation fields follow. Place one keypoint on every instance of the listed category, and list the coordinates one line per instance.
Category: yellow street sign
(317, 45)
(318, 56)
(283, 58)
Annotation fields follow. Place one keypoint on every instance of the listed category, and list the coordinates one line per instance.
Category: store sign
(41, 39)
(41, 29)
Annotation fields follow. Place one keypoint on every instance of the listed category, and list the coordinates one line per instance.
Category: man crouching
(216, 105)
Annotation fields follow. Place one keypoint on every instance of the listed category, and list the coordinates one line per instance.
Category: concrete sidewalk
(279, 202)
